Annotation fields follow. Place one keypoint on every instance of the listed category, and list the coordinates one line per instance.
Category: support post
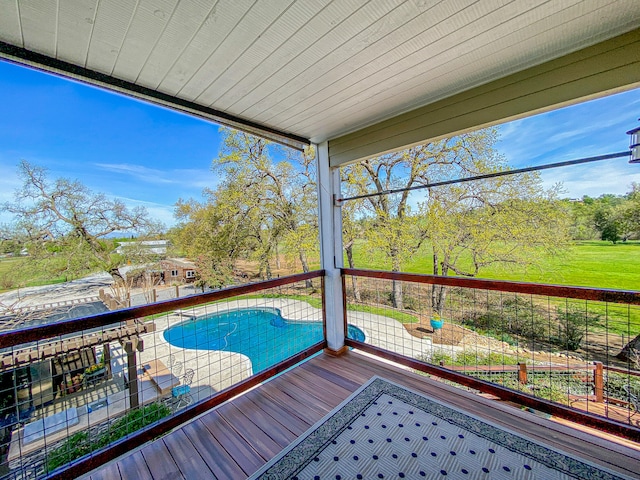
(522, 373)
(598, 382)
(132, 374)
(330, 220)
(106, 356)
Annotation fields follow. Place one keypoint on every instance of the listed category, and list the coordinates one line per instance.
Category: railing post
(598, 382)
(330, 220)
(522, 373)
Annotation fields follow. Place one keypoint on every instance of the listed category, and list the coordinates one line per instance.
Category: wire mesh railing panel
(69, 395)
(577, 352)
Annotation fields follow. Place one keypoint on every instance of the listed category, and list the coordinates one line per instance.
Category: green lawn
(587, 264)
(13, 276)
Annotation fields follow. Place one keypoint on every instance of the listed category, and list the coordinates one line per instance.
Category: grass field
(587, 264)
(12, 276)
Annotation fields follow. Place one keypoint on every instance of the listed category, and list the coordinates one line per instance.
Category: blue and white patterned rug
(385, 431)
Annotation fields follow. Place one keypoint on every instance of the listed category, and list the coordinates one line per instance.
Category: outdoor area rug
(386, 431)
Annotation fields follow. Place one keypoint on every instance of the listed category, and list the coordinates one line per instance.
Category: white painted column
(331, 258)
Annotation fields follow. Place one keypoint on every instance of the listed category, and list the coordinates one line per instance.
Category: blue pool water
(259, 333)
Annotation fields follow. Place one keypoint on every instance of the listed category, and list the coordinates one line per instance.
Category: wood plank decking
(234, 440)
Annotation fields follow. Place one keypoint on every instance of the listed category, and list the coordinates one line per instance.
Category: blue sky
(588, 129)
(151, 156)
(141, 153)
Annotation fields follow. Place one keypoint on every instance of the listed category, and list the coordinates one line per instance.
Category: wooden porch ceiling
(305, 69)
(237, 438)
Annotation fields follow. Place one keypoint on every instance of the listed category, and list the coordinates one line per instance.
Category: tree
(213, 235)
(281, 196)
(467, 226)
(260, 205)
(582, 225)
(352, 230)
(607, 222)
(630, 212)
(66, 226)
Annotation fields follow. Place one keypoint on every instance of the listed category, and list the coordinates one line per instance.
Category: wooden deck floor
(234, 440)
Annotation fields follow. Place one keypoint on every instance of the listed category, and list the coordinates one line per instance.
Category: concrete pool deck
(216, 370)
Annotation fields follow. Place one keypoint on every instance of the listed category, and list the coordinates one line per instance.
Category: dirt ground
(449, 334)
(596, 347)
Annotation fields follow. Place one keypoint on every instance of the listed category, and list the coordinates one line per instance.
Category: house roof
(305, 70)
(178, 262)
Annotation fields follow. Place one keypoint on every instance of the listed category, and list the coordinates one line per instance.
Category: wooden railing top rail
(41, 332)
(582, 293)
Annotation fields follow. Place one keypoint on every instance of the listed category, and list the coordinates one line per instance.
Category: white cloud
(186, 178)
(157, 211)
(613, 177)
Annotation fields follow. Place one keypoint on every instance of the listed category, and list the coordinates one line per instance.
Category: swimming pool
(262, 334)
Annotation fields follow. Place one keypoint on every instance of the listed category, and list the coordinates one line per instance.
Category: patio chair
(632, 395)
(176, 369)
(175, 365)
(182, 393)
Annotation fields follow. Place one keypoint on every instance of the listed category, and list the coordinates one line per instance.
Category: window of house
(174, 273)
(190, 274)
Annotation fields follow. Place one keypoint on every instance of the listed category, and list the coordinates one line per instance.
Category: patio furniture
(182, 393)
(175, 365)
(160, 375)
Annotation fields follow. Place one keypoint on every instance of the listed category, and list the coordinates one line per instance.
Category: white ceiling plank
(184, 24)
(450, 30)
(255, 60)
(443, 50)
(367, 25)
(439, 50)
(147, 26)
(75, 24)
(38, 20)
(293, 56)
(109, 30)
(10, 25)
(218, 24)
(607, 67)
(250, 29)
(316, 68)
(396, 43)
(515, 50)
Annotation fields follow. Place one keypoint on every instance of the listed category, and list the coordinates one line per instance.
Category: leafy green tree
(630, 212)
(67, 227)
(607, 222)
(204, 235)
(467, 226)
(582, 225)
(353, 227)
(260, 205)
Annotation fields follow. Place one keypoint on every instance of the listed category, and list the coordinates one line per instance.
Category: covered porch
(353, 80)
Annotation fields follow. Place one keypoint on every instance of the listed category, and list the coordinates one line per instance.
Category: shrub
(80, 443)
(573, 323)
(74, 447)
(514, 315)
